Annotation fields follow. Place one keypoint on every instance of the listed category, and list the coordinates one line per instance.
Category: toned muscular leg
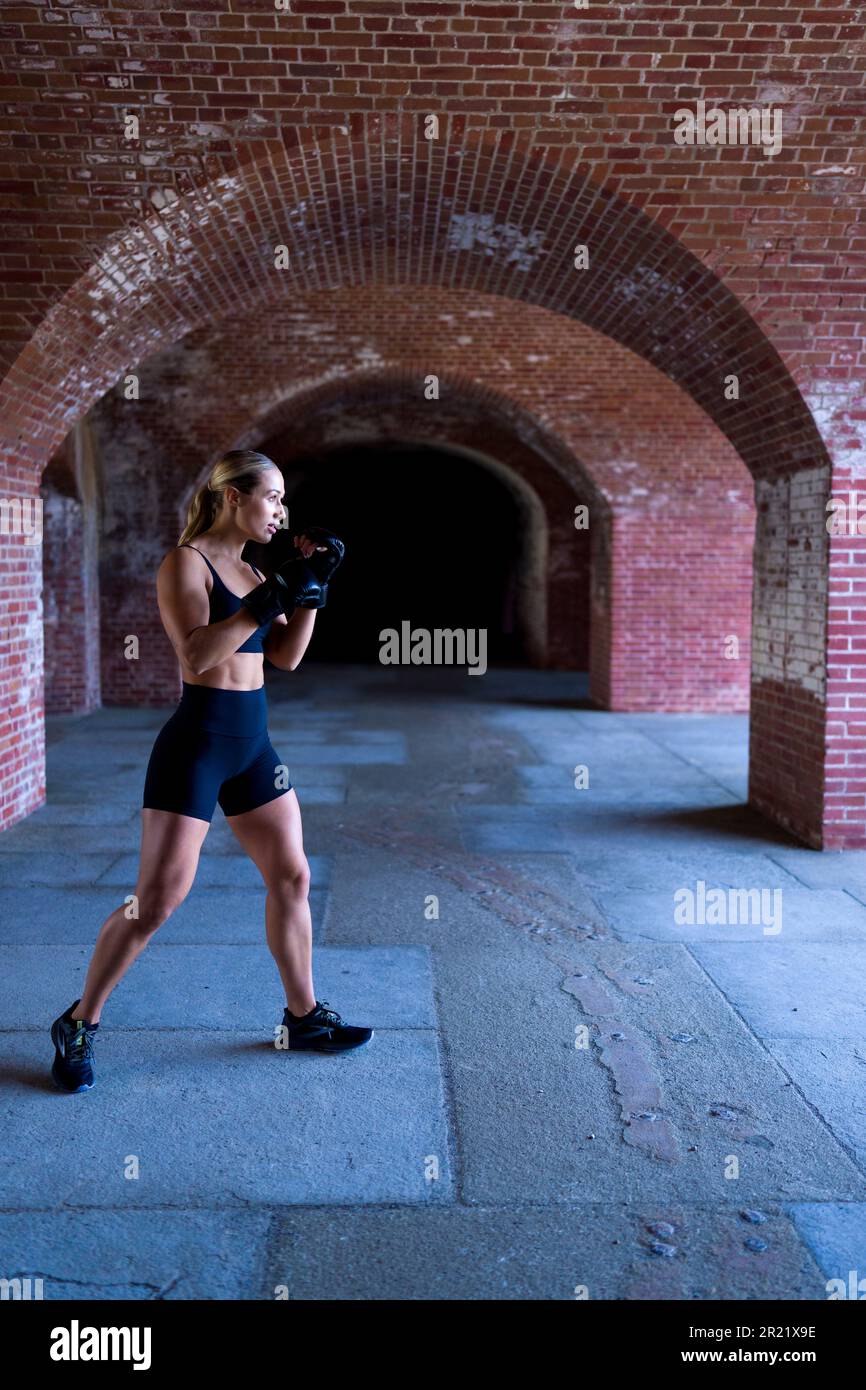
(170, 847)
(273, 838)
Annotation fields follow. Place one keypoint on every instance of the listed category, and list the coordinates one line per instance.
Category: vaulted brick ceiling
(307, 128)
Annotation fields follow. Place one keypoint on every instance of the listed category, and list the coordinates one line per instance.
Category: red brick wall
(788, 639)
(145, 469)
(22, 696)
(70, 581)
(682, 588)
(603, 540)
(845, 714)
(68, 675)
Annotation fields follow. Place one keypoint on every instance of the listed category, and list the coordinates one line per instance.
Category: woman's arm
(289, 638)
(286, 642)
(185, 609)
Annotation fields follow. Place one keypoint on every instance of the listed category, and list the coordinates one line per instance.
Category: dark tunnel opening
(431, 536)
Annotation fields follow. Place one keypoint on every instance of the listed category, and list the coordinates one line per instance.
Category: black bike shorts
(215, 748)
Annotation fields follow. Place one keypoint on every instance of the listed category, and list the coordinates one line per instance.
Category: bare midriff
(243, 671)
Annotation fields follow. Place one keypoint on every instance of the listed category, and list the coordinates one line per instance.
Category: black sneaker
(322, 1030)
(73, 1055)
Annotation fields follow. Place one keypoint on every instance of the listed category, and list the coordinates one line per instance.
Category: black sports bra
(223, 604)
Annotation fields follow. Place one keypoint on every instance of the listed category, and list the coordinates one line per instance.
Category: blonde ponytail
(240, 468)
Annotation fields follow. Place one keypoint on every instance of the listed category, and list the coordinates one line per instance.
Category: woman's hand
(306, 546)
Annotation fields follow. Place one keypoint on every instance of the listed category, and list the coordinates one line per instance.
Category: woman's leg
(170, 846)
(273, 838)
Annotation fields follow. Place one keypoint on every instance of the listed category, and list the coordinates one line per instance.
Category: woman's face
(261, 512)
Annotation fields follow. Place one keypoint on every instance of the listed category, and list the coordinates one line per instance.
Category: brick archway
(667, 473)
(682, 495)
(469, 418)
(356, 208)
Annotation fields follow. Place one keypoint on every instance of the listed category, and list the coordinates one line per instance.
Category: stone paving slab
(469, 1254)
(384, 896)
(223, 1119)
(118, 826)
(580, 1108)
(791, 989)
(620, 753)
(353, 827)
(493, 830)
(66, 916)
(835, 1233)
(214, 871)
(826, 870)
(42, 840)
(67, 813)
(124, 787)
(605, 799)
(803, 915)
(316, 737)
(68, 805)
(714, 824)
(113, 743)
(107, 837)
(555, 786)
(21, 867)
(719, 761)
(122, 797)
(598, 751)
(346, 754)
(620, 749)
(137, 1255)
(125, 800)
(441, 783)
(117, 717)
(831, 1074)
(704, 730)
(311, 794)
(223, 987)
(639, 777)
(529, 722)
(618, 870)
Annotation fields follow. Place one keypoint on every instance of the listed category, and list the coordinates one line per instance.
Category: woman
(223, 619)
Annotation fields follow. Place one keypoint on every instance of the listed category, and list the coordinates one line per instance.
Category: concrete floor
(567, 1089)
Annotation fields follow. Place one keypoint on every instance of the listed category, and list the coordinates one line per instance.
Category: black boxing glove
(323, 563)
(293, 586)
(303, 583)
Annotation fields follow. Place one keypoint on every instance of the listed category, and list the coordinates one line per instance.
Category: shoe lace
(81, 1046)
(328, 1015)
